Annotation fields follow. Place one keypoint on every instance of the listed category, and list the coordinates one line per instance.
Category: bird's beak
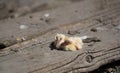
(59, 42)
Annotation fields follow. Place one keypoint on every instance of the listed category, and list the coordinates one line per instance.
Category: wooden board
(36, 56)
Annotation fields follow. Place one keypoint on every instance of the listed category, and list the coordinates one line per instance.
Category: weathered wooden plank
(36, 56)
(36, 27)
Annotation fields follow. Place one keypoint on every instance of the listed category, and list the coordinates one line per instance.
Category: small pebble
(11, 11)
(23, 26)
(47, 15)
(93, 30)
(98, 29)
(47, 20)
(20, 39)
(84, 37)
(92, 39)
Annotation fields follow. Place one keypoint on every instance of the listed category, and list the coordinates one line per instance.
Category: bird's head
(59, 39)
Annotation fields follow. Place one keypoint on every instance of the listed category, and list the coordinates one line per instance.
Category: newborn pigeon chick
(68, 43)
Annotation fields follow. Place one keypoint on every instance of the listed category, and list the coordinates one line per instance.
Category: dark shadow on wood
(2, 46)
(104, 69)
(52, 47)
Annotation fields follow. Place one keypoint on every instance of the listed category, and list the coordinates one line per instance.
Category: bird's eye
(60, 38)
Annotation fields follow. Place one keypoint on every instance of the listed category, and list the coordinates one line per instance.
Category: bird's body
(68, 43)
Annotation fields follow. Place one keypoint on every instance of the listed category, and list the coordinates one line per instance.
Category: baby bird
(68, 43)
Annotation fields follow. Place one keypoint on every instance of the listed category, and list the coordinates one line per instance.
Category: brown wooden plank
(36, 56)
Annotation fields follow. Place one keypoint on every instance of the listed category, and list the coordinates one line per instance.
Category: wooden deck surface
(35, 54)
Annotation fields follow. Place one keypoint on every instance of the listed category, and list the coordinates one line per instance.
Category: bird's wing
(67, 42)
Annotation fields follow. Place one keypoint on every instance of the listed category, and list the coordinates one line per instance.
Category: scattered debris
(23, 26)
(98, 29)
(11, 10)
(47, 20)
(20, 39)
(23, 38)
(92, 39)
(100, 20)
(73, 32)
(84, 37)
(47, 15)
(93, 30)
